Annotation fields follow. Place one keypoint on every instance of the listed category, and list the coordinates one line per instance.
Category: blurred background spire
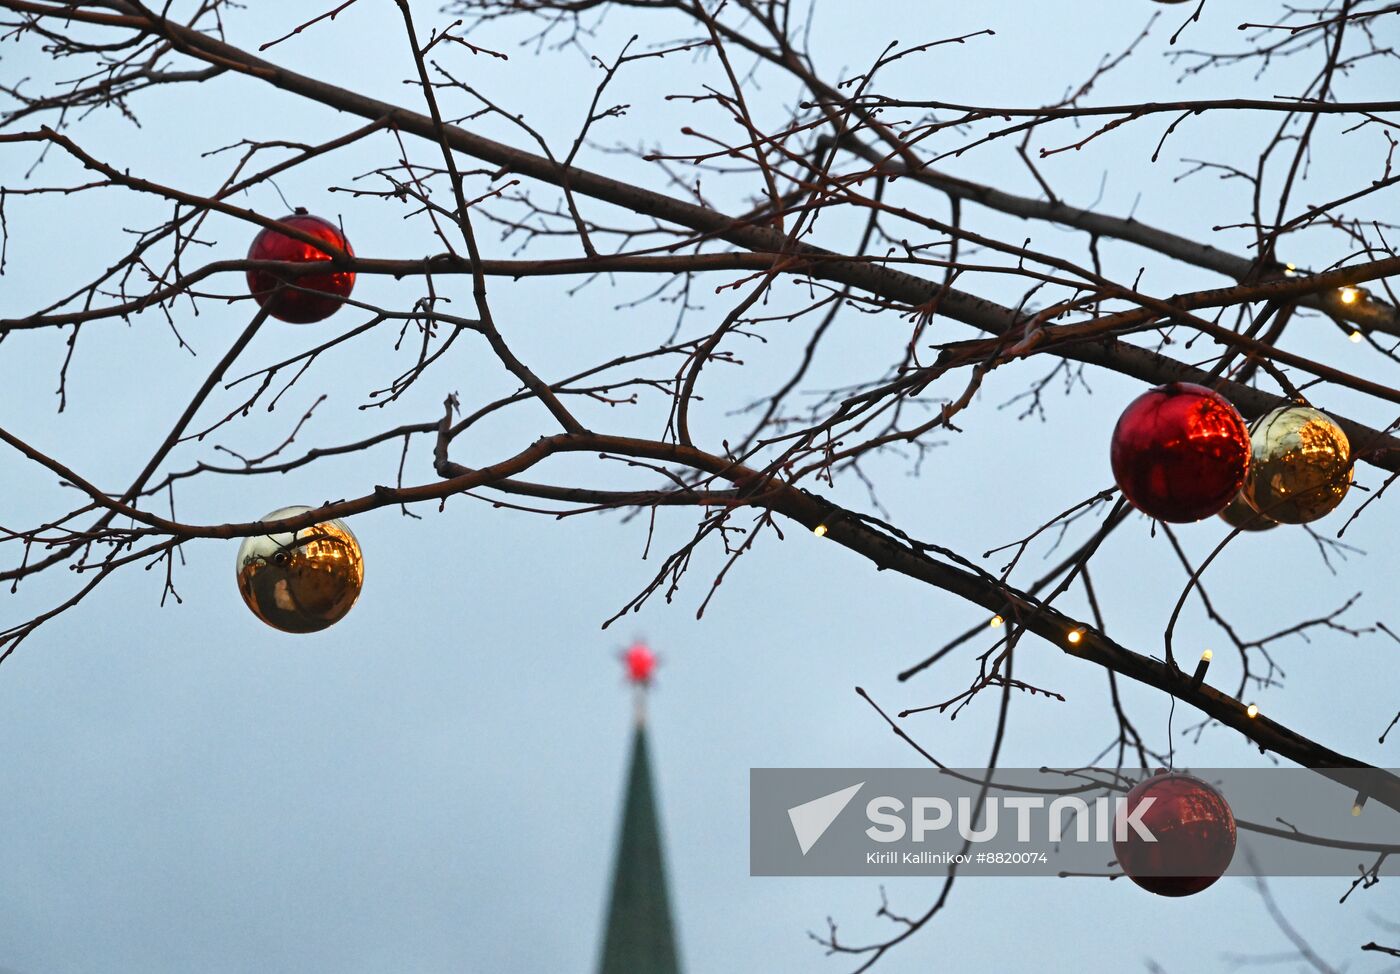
(639, 937)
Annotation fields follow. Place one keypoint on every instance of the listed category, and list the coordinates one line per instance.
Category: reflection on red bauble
(1195, 832)
(1180, 452)
(322, 294)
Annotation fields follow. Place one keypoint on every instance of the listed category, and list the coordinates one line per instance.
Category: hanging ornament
(1238, 514)
(1194, 829)
(322, 294)
(1301, 465)
(301, 581)
(1180, 452)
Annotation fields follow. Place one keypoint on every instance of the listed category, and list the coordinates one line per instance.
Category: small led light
(1348, 294)
(1355, 810)
(1252, 711)
(1291, 270)
(996, 622)
(820, 530)
(1199, 676)
(1355, 336)
(1074, 636)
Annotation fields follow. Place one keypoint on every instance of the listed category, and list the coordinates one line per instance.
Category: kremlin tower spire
(639, 937)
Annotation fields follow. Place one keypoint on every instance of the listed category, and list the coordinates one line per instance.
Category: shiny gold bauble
(1238, 514)
(1300, 465)
(301, 581)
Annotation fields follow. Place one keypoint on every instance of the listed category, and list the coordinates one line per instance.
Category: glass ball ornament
(1238, 514)
(320, 295)
(1300, 468)
(301, 581)
(1180, 452)
(1195, 832)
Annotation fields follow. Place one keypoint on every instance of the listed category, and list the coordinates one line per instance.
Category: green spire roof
(639, 938)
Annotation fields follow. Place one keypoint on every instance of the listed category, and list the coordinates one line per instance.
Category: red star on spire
(640, 662)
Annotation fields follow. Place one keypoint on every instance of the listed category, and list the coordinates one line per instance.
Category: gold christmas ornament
(1238, 514)
(301, 581)
(1300, 465)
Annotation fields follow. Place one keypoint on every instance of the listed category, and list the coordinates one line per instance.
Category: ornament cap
(301, 211)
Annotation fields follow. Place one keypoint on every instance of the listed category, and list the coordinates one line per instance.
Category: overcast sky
(433, 784)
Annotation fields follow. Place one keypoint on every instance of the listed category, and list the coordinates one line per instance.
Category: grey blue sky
(433, 784)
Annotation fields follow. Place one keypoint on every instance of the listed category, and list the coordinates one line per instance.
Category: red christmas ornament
(300, 306)
(1194, 829)
(641, 663)
(1180, 452)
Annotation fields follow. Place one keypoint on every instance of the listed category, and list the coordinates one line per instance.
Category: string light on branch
(308, 297)
(1290, 270)
(1252, 711)
(1349, 294)
(301, 581)
(996, 622)
(1199, 676)
(1180, 452)
(820, 530)
(1075, 636)
(1355, 336)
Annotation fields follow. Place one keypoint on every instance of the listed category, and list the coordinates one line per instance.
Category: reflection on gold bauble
(1300, 465)
(1238, 514)
(301, 581)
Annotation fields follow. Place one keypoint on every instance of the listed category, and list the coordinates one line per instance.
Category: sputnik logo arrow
(810, 820)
